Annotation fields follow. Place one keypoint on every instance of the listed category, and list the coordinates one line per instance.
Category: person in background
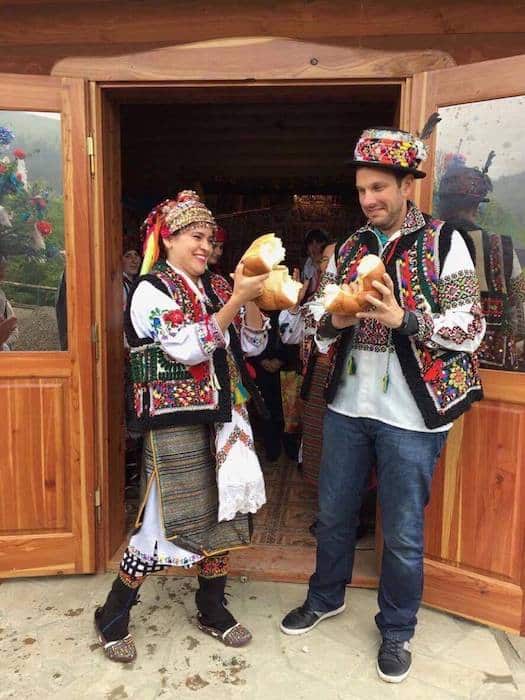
(131, 261)
(267, 367)
(219, 241)
(8, 322)
(315, 242)
(462, 191)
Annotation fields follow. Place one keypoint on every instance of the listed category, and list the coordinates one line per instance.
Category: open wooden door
(476, 519)
(46, 380)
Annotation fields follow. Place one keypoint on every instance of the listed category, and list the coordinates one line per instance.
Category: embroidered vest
(444, 382)
(501, 298)
(166, 392)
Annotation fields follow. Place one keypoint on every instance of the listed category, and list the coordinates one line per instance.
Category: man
(461, 192)
(400, 373)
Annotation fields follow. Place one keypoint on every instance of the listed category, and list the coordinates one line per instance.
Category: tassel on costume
(240, 395)
(151, 248)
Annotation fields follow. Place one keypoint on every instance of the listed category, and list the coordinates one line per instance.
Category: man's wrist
(408, 325)
(327, 328)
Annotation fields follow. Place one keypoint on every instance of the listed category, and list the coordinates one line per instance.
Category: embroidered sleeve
(326, 334)
(254, 340)
(460, 325)
(295, 325)
(157, 316)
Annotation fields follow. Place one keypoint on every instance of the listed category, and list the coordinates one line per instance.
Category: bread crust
(352, 297)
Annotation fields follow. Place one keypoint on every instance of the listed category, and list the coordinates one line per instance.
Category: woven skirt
(180, 459)
(313, 415)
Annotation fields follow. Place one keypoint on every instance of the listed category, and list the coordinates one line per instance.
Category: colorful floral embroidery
(448, 376)
(235, 435)
(180, 394)
(457, 376)
(459, 289)
(458, 335)
(373, 146)
(517, 287)
(213, 567)
(371, 335)
(425, 324)
(209, 335)
(496, 264)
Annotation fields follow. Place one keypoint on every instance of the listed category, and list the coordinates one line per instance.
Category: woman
(187, 332)
(219, 241)
(315, 242)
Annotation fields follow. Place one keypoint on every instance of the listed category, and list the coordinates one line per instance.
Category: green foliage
(40, 271)
(499, 219)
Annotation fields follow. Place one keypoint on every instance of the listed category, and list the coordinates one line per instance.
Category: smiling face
(131, 263)
(189, 249)
(383, 199)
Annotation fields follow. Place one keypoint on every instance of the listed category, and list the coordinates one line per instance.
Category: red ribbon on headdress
(220, 235)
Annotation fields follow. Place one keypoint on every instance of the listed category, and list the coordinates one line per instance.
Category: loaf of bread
(263, 255)
(348, 299)
(280, 291)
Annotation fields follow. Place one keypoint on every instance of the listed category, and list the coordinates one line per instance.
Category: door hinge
(95, 340)
(91, 155)
(98, 507)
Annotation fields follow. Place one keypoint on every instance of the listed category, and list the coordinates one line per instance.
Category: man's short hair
(399, 176)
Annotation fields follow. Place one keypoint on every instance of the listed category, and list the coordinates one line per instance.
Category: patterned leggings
(133, 570)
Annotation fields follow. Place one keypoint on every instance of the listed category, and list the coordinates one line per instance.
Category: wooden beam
(198, 20)
(254, 59)
(463, 48)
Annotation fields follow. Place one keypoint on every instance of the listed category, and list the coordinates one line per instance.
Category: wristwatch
(409, 325)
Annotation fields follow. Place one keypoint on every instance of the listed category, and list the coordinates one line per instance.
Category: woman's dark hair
(317, 235)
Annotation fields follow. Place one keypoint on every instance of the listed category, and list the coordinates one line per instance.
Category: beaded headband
(169, 217)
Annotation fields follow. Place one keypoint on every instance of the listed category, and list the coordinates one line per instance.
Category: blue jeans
(404, 461)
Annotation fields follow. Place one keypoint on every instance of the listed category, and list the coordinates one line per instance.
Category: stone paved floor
(48, 649)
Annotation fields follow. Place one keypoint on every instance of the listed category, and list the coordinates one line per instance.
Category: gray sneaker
(394, 661)
(303, 619)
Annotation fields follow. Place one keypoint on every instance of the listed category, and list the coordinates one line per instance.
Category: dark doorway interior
(264, 159)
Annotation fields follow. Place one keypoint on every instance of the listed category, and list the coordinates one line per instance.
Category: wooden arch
(254, 58)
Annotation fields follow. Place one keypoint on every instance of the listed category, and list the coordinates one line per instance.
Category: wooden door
(46, 393)
(476, 519)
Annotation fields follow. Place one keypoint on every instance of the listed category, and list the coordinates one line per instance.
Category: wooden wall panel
(475, 516)
(47, 398)
(492, 453)
(36, 491)
(473, 595)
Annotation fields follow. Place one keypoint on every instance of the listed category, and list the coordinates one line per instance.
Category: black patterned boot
(112, 620)
(214, 618)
